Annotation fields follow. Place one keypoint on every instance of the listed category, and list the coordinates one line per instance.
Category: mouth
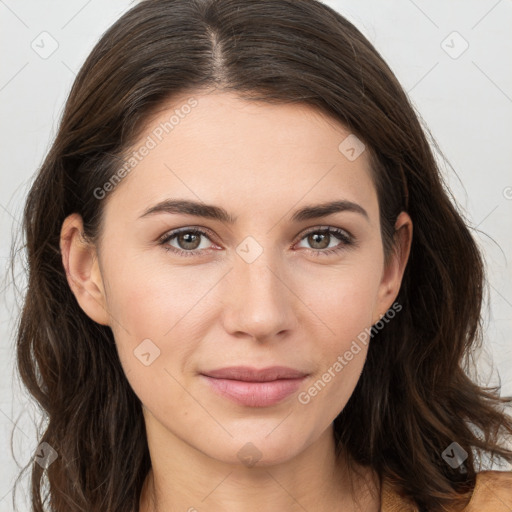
(253, 387)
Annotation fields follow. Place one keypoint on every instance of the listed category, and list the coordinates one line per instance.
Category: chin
(249, 451)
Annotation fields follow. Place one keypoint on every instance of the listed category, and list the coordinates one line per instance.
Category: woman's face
(250, 281)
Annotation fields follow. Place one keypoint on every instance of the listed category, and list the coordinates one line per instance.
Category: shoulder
(492, 492)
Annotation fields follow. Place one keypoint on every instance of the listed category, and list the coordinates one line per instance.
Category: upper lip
(249, 374)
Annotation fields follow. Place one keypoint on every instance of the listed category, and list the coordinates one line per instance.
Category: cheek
(343, 309)
(341, 353)
(342, 300)
(150, 298)
(155, 318)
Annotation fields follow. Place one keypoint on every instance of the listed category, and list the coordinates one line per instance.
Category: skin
(290, 306)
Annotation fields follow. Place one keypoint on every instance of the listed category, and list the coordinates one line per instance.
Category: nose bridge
(259, 302)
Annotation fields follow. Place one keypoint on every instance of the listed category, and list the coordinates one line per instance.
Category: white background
(465, 101)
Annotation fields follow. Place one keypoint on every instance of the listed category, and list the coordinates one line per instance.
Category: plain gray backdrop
(450, 56)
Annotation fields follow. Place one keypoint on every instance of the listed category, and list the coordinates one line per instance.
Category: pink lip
(255, 388)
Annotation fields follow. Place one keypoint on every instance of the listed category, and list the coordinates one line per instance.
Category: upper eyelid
(325, 228)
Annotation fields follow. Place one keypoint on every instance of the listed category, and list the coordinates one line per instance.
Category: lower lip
(255, 394)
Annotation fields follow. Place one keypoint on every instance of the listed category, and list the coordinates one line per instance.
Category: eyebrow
(187, 207)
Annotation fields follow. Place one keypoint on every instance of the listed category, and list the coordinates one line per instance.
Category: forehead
(222, 149)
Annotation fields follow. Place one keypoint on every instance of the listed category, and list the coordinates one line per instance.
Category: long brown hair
(414, 397)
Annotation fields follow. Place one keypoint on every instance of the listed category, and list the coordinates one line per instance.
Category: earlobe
(395, 268)
(83, 274)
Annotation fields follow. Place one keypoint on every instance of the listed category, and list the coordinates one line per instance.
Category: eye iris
(314, 239)
(187, 238)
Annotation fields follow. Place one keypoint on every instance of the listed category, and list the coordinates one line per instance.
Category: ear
(80, 262)
(395, 267)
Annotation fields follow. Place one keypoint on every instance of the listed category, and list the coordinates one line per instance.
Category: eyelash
(346, 239)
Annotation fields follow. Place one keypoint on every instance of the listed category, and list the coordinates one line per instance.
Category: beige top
(492, 493)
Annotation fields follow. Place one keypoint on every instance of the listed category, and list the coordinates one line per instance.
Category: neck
(313, 480)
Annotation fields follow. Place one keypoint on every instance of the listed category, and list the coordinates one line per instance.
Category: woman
(248, 287)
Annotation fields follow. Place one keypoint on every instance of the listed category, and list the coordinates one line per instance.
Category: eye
(188, 241)
(320, 240)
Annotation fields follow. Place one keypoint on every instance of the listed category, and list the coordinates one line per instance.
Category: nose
(258, 298)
